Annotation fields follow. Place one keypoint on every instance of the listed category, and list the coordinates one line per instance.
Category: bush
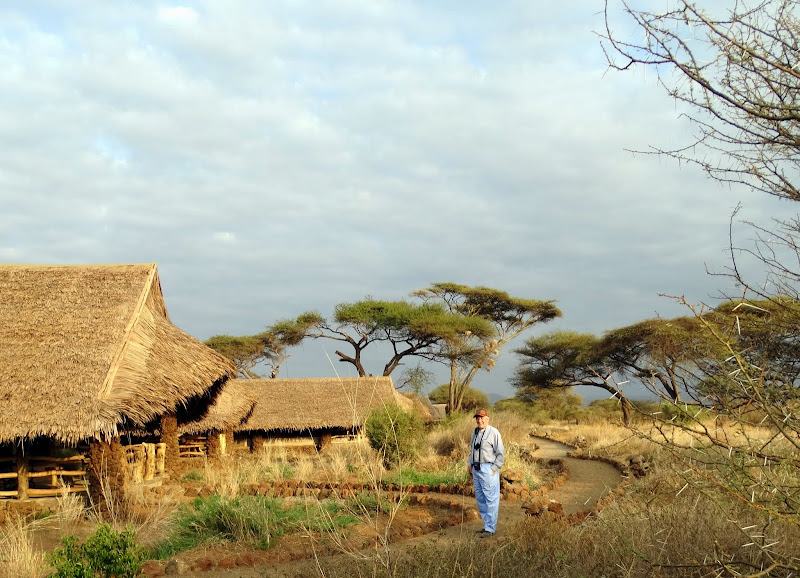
(557, 405)
(394, 433)
(473, 398)
(106, 552)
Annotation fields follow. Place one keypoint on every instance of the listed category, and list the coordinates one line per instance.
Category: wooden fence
(145, 460)
(38, 476)
(193, 446)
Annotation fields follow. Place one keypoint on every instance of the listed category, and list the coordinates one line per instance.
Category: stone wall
(107, 469)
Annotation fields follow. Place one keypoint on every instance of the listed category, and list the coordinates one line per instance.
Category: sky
(285, 156)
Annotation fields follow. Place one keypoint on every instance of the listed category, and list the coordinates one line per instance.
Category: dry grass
(72, 509)
(18, 556)
(656, 529)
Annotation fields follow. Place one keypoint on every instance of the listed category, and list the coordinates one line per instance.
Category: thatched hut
(88, 353)
(314, 411)
(209, 435)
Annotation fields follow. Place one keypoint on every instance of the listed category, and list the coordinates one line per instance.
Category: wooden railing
(193, 446)
(145, 460)
(56, 475)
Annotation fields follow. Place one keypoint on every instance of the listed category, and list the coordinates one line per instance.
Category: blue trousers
(487, 493)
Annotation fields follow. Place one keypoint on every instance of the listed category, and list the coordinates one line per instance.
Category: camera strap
(476, 445)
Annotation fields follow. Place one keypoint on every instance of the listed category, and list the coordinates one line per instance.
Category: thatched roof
(84, 348)
(422, 405)
(316, 403)
(231, 407)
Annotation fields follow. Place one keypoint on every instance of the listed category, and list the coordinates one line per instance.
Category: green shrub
(106, 552)
(192, 476)
(473, 398)
(394, 433)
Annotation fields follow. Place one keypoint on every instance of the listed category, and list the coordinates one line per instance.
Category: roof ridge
(105, 389)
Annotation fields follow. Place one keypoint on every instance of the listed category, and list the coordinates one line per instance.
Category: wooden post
(107, 470)
(22, 476)
(161, 452)
(258, 444)
(170, 437)
(323, 440)
(139, 456)
(149, 461)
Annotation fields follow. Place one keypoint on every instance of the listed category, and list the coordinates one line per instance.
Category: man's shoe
(485, 534)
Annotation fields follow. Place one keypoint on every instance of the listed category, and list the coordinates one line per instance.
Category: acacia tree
(416, 379)
(670, 357)
(466, 353)
(562, 360)
(245, 351)
(269, 346)
(737, 72)
(409, 329)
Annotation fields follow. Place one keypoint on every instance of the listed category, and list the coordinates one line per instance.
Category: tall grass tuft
(18, 556)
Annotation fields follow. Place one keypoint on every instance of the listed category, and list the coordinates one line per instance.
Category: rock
(471, 514)
(638, 466)
(541, 506)
(526, 453)
(151, 569)
(176, 567)
(512, 476)
(227, 562)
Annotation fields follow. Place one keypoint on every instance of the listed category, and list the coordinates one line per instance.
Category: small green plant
(254, 520)
(105, 553)
(368, 503)
(192, 476)
(395, 433)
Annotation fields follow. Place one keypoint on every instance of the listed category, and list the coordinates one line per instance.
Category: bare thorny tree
(735, 70)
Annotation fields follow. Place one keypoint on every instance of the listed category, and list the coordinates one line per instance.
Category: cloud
(274, 158)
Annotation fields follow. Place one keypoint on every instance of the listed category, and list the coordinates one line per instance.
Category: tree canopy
(409, 329)
(668, 356)
(269, 346)
(468, 352)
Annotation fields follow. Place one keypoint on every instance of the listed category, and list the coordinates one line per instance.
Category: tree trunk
(626, 410)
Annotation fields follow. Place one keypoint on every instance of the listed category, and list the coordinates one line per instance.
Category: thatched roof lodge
(230, 409)
(209, 435)
(88, 351)
(316, 407)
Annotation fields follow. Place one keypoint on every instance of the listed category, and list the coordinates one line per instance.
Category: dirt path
(588, 481)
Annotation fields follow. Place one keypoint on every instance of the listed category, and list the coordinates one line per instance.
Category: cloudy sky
(275, 157)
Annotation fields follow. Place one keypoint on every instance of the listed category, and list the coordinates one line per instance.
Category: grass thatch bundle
(231, 407)
(318, 403)
(84, 347)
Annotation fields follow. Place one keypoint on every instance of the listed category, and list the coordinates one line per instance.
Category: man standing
(485, 460)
